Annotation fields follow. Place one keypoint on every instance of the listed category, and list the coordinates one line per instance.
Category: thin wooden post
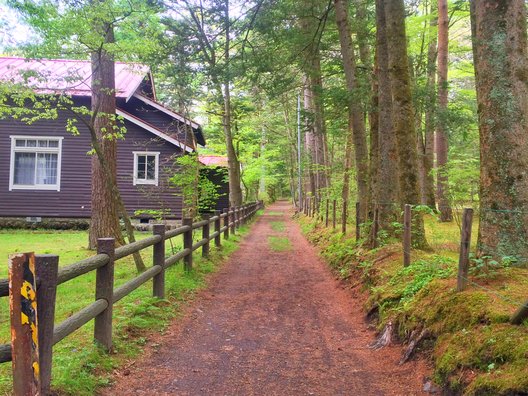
(158, 258)
(233, 220)
(237, 217)
(187, 244)
(375, 228)
(358, 222)
(104, 289)
(326, 213)
(407, 235)
(218, 241)
(24, 320)
(47, 268)
(465, 244)
(344, 218)
(226, 223)
(205, 235)
(334, 215)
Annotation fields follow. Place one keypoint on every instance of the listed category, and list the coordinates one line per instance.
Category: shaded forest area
(380, 102)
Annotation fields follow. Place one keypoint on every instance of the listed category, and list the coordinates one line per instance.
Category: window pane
(20, 143)
(24, 168)
(151, 167)
(31, 143)
(53, 143)
(43, 143)
(141, 159)
(47, 168)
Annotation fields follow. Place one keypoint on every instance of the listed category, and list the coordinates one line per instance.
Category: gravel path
(273, 321)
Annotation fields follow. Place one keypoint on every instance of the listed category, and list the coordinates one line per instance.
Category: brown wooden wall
(73, 199)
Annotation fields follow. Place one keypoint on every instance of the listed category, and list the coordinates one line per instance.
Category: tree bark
(499, 45)
(388, 184)
(357, 120)
(430, 112)
(105, 214)
(235, 191)
(442, 144)
(403, 114)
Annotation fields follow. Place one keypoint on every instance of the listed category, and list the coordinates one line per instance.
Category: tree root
(416, 339)
(385, 338)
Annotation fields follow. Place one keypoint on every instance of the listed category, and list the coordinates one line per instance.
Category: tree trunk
(388, 186)
(501, 69)
(403, 114)
(428, 158)
(442, 145)
(235, 191)
(105, 215)
(357, 120)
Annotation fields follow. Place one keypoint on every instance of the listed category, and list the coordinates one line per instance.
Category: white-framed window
(35, 163)
(146, 164)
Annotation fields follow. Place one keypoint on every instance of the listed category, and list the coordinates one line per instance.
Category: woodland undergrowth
(466, 336)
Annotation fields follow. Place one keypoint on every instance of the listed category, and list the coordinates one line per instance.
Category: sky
(12, 31)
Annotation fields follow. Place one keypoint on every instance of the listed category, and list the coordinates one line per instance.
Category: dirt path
(272, 322)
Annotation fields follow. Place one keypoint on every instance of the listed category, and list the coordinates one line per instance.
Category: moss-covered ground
(473, 348)
(79, 367)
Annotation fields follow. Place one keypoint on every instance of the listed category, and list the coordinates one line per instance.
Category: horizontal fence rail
(49, 277)
(312, 207)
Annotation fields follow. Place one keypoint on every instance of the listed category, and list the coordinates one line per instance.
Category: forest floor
(273, 321)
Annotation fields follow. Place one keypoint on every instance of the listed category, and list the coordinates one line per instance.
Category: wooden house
(45, 171)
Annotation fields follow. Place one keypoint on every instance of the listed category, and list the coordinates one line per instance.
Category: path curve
(271, 323)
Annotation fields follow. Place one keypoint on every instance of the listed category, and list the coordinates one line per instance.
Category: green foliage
(279, 243)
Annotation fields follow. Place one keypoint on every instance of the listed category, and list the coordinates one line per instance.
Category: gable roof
(71, 77)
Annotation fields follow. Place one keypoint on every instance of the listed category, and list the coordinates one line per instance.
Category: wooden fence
(36, 278)
(311, 207)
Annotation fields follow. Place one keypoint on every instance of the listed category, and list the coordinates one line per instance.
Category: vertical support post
(334, 215)
(46, 268)
(326, 214)
(233, 219)
(158, 258)
(104, 289)
(407, 235)
(465, 243)
(344, 218)
(187, 244)
(237, 218)
(375, 228)
(358, 222)
(205, 235)
(24, 330)
(226, 223)
(218, 241)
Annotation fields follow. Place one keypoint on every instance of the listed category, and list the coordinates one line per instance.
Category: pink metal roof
(72, 77)
(213, 160)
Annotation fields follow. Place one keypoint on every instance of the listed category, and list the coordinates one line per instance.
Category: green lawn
(78, 366)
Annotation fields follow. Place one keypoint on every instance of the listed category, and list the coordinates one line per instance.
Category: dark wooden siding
(73, 199)
(218, 176)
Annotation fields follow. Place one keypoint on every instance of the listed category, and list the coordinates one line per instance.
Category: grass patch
(279, 244)
(272, 213)
(278, 226)
(79, 367)
(474, 348)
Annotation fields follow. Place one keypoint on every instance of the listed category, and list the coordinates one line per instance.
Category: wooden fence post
(358, 222)
(24, 331)
(465, 244)
(205, 235)
(237, 217)
(104, 289)
(407, 235)
(187, 244)
(46, 268)
(233, 219)
(334, 215)
(344, 218)
(158, 258)
(226, 223)
(218, 241)
(375, 228)
(326, 214)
